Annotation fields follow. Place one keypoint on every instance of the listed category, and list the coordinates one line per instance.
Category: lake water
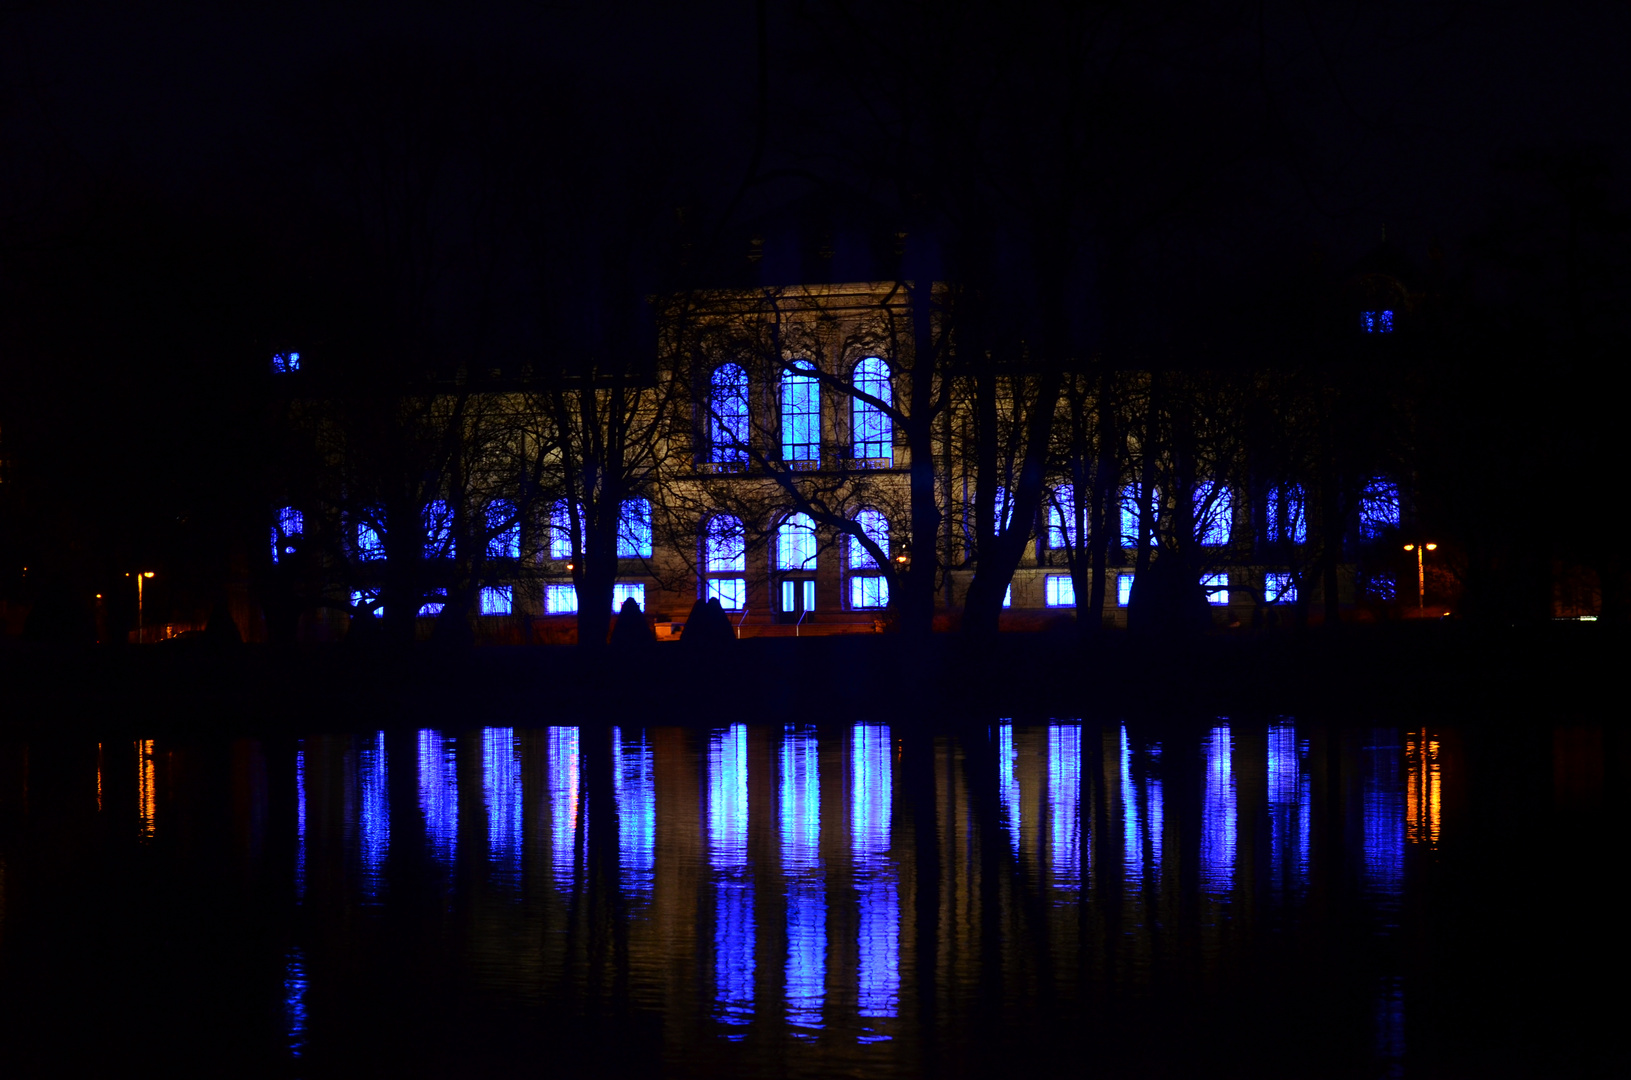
(1205, 896)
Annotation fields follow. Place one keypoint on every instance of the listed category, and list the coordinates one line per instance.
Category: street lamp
(1421, 571)
(139, 577)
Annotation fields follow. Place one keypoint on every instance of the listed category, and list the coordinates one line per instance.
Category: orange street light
(1421, 571)
(139, 579)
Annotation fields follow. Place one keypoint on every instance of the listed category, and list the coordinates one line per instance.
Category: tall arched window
(867, 587)
(503, 530)
(560, 530)
(728, 415)
(370, 542)
(874, 432)
(1214, 513)
(1288, 515)
(724, 558)
(1062, 518)
(1378, 508)
(634, 529)
(438, 530)
(796, 544)
(801, 415)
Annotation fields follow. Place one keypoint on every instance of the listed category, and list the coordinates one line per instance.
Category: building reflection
(501, 793)
(634, 773)
(1424, 791)
(368, 794)
(564, 804)
(732, 880)
(439, 795)
(146, 788)
(876, 884)
(1065, 845)
(300, 823)
(1383, 795)
(1219, 814)
(1008, 792)
(1290, 805)
(294, 999)
(799, 800)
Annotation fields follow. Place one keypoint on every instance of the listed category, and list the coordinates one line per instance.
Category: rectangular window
(801, 418)
(622, 592)
(1129, 508)
(790, 595)
(1217, 589)
(495, 600)
(1060, 591)
(732, 593)
(634, 530)
(560, 599)
(868, 592)
(1062, 518)
(560, 531)
(433, 604)
(1378, 508)
(1124, 589)
(1279, 589)
(1288, 515)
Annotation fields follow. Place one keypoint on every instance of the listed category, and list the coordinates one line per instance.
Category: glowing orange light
(1423, 789)
(146, 786)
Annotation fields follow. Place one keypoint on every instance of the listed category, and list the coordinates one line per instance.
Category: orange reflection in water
(146, 786)
(1424, 788)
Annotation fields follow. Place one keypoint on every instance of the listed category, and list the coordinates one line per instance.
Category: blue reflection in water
(1142, 818)
(1289, 805)
(374, 820)
(439, 795)
(1390, 1031)
(632, 772)
(728, 858)
(1007, 783)
(563, 804)
(1218, 814)
(294, 999)
(501, 788)
(1384, 809)
(878, 937)
(800, 799)
(300, 824)
(1065, 803)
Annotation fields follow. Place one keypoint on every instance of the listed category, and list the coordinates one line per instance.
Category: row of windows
(559, 599)
(1059, 590)
(872, 432)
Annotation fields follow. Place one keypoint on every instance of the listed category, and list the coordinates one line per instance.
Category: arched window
(1130, 502)
(801, 415)
(438, 530)
(728, 419)
(876, 528)
(796, 544)
(634, 530)
(290, 524)
(1378, 508)
(1214, 513)
(503, 530)
(370, 542)
(1062, 518)
(724, 558)
(874, 432)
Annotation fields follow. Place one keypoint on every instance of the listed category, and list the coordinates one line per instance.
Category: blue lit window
(290, 524)
(370, 544)
(1059, 591)
(874, 431)
(495, 600)
(1214, 513)
(622, 592)
(868, 591)
(284, 363)
(732, 593)
(438, 530)
(1124, 589)
(876, 528)
(1279, 589)
(1288, 515)
(560, 599)
(725, 552)
(801, 417)
(433, 604)
(560, 530)
(503, 530)
(1378, 508)
(634, 529)
(1129, 516)
(1376, 322)
(790, 598)
(1008, 596)
(1062, 518)
(366, 602)
(728, 424)
(1003, 507)
(796, 543)
(1217, 589)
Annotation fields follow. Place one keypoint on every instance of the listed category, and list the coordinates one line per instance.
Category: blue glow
(876, 528)
(432, 608)
(370, 543)
(874, 431)
(1059, 591)
(1383, 790)
(1217, 589)
(1219, 814)
(1008, 797)
(501, 789)
(1279, 589)
(496, 599)
(734, 957)
(800, 814)
(366, 602)
(294, 999)
(439, 795)
(1065, 804)
(868, 592)
(1132, 837)
(1002, 504)
(285, 363)
(290, 526)
(1128, 512)
(1288, 515)
(732, 593)
(634, 772)
(300, 824)
(560, 599)
(1290, 809)
(503, 530)
(634, 529)
(796, 543)
(1376, 322)
(1124, 589)
(1008, 596)
(438, 530)
(624, 591)
(801, 417)
(1382, 586)
(560, 530)
(374, 818)
(728, 423)
(878, 935)
(563, 804)
(1214, 513)
(1378, 508)
(1062, 518)
(725, 545)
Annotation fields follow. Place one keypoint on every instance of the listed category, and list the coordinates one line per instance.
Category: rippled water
(1221, 897)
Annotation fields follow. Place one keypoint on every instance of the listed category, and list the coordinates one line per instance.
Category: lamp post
(1421, 571)
(140, 575)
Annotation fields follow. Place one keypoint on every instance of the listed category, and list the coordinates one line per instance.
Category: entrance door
(797, 597)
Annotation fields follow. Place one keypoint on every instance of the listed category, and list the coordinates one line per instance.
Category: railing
(800, 624)
(739, 623)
